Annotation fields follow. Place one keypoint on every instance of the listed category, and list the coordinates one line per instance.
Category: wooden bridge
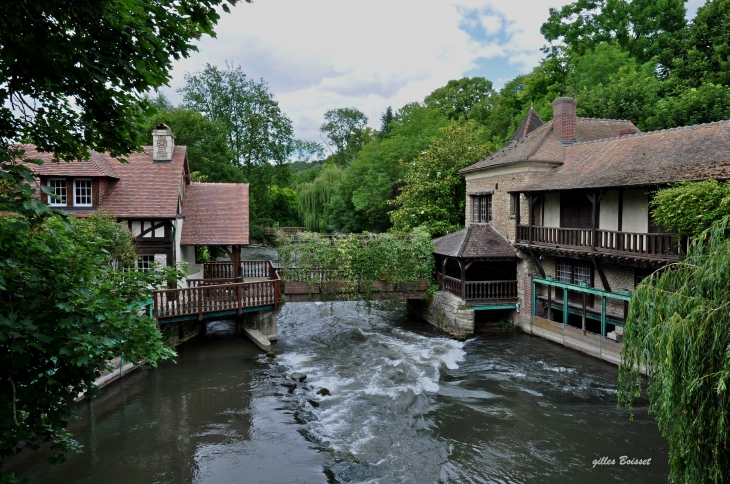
(258, 286)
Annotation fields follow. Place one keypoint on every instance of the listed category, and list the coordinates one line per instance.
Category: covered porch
(479, 266)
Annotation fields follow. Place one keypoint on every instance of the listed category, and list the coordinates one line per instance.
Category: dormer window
(58, 185)
(82, 192)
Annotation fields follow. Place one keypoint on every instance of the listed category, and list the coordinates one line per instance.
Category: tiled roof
(96, 166)
(542, 145)
(140, 188)
(697, 152)
(146, 188)
(215, 214)
(531, 122)
(475, 241)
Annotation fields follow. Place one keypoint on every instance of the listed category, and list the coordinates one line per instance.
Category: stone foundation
(261, 321)
(445, 311)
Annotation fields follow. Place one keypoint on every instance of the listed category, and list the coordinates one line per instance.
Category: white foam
(429, 385)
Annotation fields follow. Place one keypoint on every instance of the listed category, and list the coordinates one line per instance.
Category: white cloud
(321, 54)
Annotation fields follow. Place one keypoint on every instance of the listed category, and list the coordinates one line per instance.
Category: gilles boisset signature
(623, 461)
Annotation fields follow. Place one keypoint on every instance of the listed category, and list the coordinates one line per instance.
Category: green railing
(624, 296)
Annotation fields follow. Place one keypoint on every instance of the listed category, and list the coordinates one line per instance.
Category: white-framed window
(144, 263)
(82, 192)
(58, 185)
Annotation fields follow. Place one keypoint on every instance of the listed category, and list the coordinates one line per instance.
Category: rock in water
(298, 376)
(289, 384)
(313, 403)
(323, 391)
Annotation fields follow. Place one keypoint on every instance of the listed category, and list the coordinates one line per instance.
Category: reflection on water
(402, 404)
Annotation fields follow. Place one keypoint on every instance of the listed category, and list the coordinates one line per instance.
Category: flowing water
(403, 404)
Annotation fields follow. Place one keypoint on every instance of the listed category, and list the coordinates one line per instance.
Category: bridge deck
(259, 288)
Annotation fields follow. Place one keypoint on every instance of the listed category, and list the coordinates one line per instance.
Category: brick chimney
(163, 143)
(564, 119)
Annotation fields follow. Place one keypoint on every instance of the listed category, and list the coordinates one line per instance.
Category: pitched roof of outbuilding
(696, 152)
(215, 214)
(476, 241)
(542, 145)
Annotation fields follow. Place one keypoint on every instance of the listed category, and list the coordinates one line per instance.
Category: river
(405, 405)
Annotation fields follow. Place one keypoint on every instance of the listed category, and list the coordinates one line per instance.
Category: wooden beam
(463, 279)
(538, 264)
(602, 275)
(530, 211)
(620, 210)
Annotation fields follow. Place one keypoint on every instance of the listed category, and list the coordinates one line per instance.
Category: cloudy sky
(322, 54)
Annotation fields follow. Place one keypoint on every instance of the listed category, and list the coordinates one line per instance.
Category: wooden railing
(556, 236)
(665, 244)
(218, 270)
(491, 289)
(285, 230)
(199, 300)
(212, 282)
(257, 268)
(481, 290)
(659, 244)
(451, 284)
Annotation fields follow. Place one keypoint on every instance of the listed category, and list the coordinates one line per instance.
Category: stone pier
(446, 312)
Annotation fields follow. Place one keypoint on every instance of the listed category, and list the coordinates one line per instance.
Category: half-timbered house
(151, 191)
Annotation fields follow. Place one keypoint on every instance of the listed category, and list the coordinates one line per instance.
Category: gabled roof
(544, 146)
(215, 214)
(140, 188)
(698, 152)
(476, 241)
(531, 122)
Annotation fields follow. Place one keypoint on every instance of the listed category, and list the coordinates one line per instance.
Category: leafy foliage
(641, 27)
(458, 97)
(70, 78)
(434, 192)
(678, 328)
(315, 195)
(64, 311)
(356, 260)
(345, 128)
(693, 207)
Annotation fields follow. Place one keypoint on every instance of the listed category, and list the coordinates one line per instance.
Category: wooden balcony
(479, 291)
(659, 246)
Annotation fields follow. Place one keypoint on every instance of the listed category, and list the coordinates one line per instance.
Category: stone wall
(445, 311)
(262, 321)
(500, 181)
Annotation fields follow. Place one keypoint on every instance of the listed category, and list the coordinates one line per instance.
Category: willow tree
(315, 195)
(678, 329)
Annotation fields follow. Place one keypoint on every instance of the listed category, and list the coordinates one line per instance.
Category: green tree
(314, 197)
(71, 78)
(434, 193)
(693, 207)
(258, 131)
(375, 175)
(206, 140)
(644, 28)
(345, 128)
(678, 329)
(702, 53)
(703, 104)
(459, 96)
(65, 310)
